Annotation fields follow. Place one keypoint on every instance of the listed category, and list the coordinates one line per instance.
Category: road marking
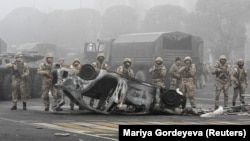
(96, 126)
(88, 128)
(108, 124)
(72, 130)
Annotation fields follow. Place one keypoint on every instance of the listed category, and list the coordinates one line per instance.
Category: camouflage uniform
(126, 68)
(76, 66)
(222, 72)
(175, 76)
(45, 69)
(20, 71)
(240, 81)
(158, 72)
(98, 65)
(187, 82)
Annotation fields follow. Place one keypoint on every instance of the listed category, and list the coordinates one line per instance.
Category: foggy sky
(6, 6)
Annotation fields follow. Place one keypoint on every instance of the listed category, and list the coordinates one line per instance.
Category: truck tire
(6, 87)
(36, 87)
(140, 75)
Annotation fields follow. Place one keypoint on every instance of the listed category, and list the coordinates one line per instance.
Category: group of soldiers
(180, 76)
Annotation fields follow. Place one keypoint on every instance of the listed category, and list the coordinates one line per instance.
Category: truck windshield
(95, 47)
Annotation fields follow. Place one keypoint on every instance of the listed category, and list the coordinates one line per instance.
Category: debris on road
(218, 111)
(62, 134)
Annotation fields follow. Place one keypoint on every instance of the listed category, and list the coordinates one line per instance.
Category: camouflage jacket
(45, 70)
(99, 66)
(158, 72)
(174, 71)
(187, 71)
(239, 76)
(125, 71)
(222, 71)
(75, 69)
(19, 69)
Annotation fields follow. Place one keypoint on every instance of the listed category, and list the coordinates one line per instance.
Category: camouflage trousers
(16, 84)
(159, 82)
(221, 85)
(201, 80)
(187, 86)
(174, 84)
(47, 87)
(239, 90)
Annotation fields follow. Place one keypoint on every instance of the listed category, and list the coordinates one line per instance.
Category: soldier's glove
(14, 67)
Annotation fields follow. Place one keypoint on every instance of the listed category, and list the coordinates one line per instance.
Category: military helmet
(49, 55)
(158, 59)
(76, 60)
(240, 61)
(18, 54)
(187, 58)
(100, 55)
(127, 60)
(223, 57)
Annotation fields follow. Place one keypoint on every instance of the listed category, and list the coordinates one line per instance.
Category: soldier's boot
(46, 109)
(14, 107)
(81, 108)
(24, 106)
(233, 104)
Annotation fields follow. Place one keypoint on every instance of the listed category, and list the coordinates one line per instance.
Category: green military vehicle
(143, 48)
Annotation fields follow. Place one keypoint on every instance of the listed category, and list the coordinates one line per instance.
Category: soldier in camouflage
(175, 76)
(240, 81)
(45, 70)
(126, 68)
(20, 71)
(158, 72)
(187, 82)
(98, 65)
(76, 66)
(222, 72)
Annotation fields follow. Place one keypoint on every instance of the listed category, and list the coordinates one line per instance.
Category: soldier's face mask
(127, 64)
(49, 60)
(187, 62)
(76, 64)
(19, 59)
(101, 59)
(241, 64)
(222, 61)
(158, 63)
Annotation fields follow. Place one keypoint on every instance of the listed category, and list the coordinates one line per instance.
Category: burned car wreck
(115, 93)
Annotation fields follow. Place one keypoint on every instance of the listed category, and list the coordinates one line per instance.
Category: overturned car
(115, 93)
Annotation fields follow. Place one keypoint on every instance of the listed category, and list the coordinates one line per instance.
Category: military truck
(143, 48)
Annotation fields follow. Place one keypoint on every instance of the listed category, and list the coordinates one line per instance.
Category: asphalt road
(35, 124)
